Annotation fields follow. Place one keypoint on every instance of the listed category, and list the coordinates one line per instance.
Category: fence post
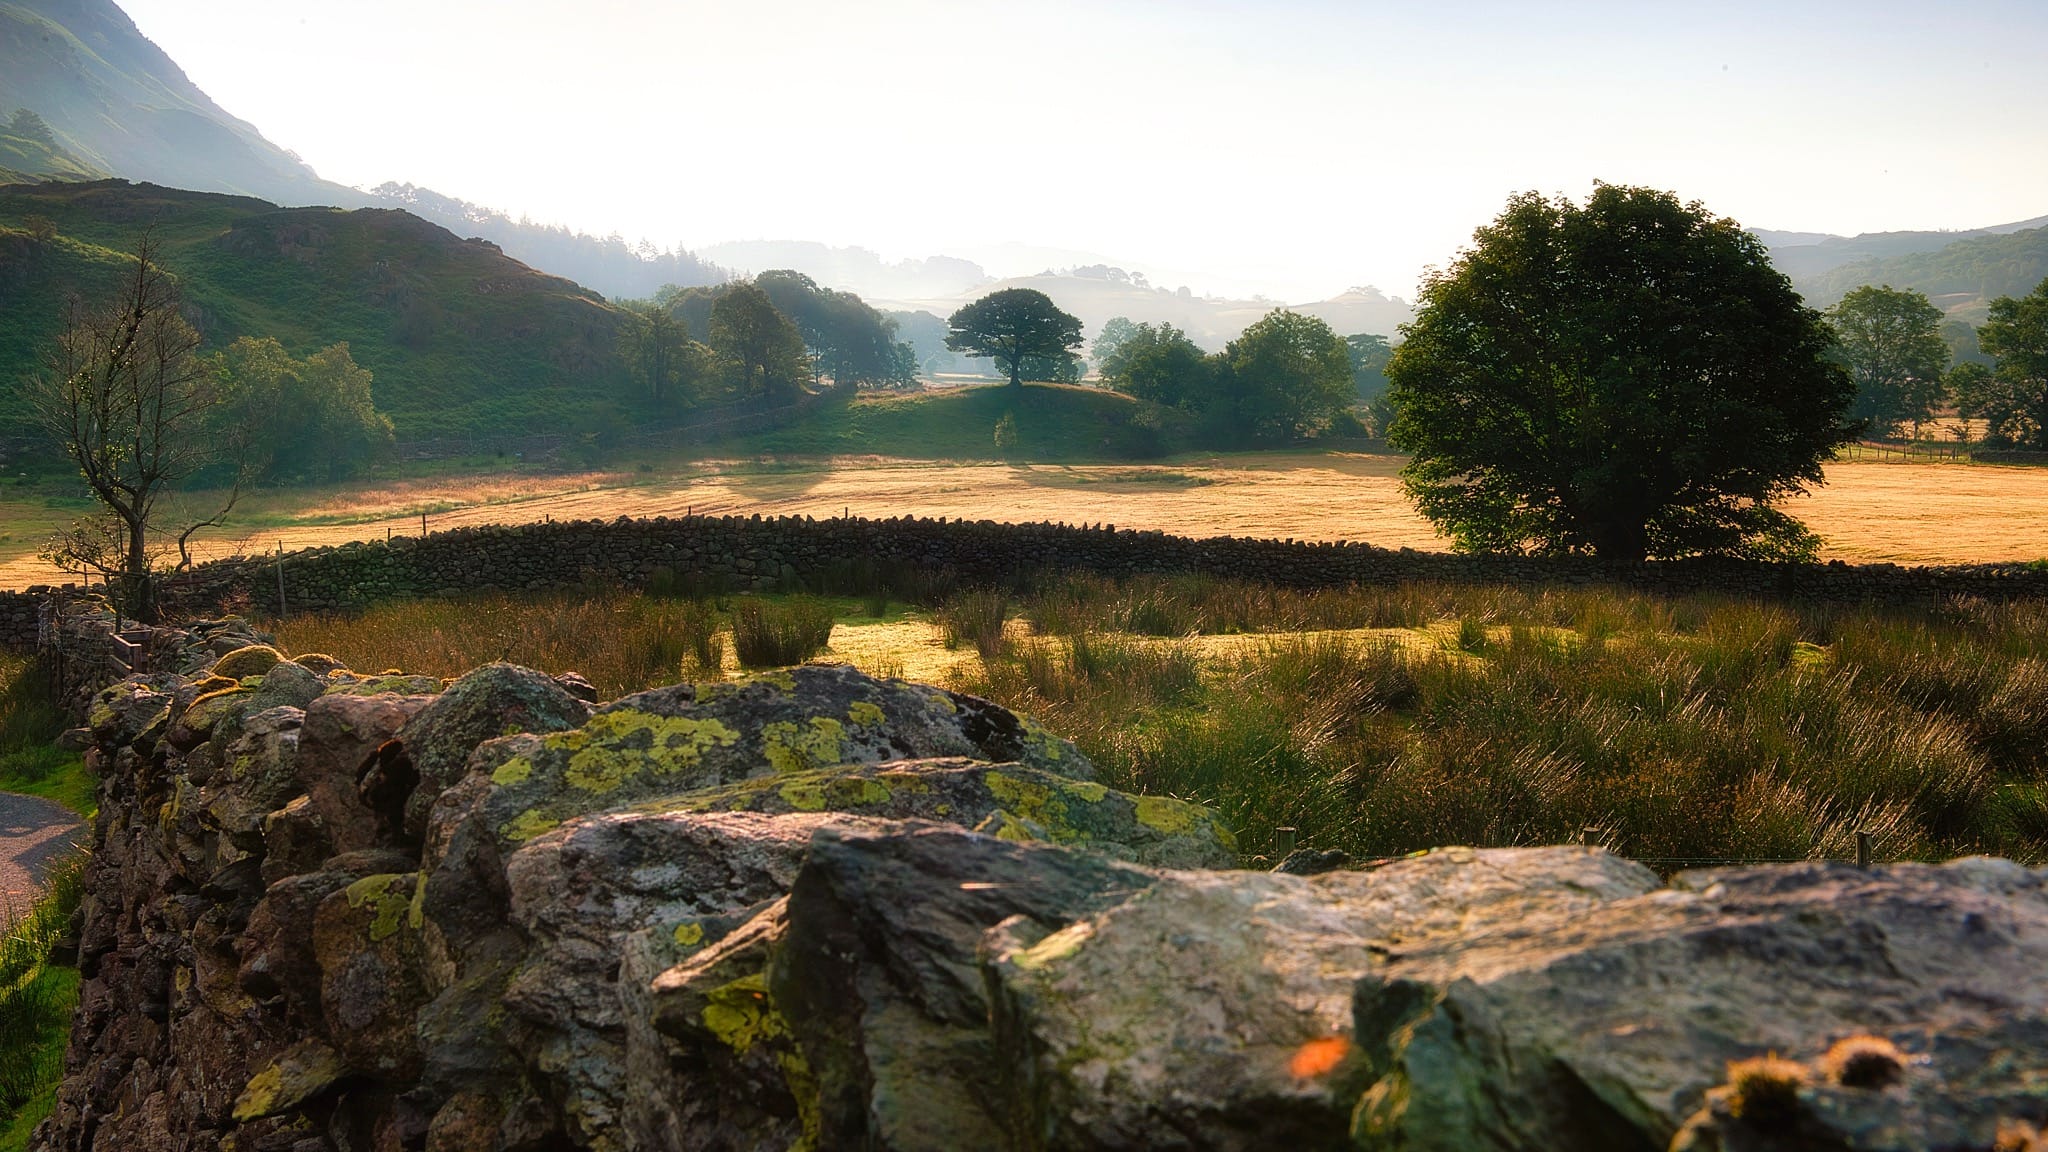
(1862, 849)
(280, 580)
(1283, 841)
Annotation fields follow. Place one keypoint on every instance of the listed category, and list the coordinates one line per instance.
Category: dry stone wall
(756, 552)
(811, 910)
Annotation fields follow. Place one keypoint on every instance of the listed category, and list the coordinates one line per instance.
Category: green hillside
(1052, 421)
(1962, 278)
(117, 103)
(461, 338)
(27, 159)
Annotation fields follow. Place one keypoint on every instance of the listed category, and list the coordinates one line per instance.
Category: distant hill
(608, 264)
(1802, 255)
(461, 337)
(117, 103)
(1962, 278)
(854, 269)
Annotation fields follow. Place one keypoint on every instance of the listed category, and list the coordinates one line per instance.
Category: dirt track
(1908, 513)
(34, 834)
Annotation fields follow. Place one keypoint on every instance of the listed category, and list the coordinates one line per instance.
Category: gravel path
(34, 834)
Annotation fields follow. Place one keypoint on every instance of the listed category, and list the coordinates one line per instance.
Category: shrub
(767, 634)
(701, 635)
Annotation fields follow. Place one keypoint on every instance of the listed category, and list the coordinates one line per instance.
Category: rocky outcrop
(815, 910)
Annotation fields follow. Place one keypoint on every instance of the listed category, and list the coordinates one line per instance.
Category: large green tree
(1158, 362)
(2015, 399)
(757, 341)
(655, 344)
(1284, 378)
(1016, 327)
(1891, 340)
(1628, 378)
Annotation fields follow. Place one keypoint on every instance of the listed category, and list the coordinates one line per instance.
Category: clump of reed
(778, 633)
(975, 617)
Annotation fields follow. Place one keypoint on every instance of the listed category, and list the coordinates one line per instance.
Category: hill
(1812, 254)
(1961, 277)
(1053, 422)
(120, 104)
(461, 337)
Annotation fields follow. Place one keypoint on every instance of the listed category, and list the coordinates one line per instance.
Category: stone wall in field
(808, 909)
(755, 553)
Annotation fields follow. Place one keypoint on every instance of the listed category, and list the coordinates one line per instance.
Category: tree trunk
(1016, 367)
(139, 598)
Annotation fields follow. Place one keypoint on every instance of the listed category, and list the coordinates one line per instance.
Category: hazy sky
(1289, 146)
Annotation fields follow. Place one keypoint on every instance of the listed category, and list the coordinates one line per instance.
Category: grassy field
(1382, 721)
(1905, 513)
(36, 996)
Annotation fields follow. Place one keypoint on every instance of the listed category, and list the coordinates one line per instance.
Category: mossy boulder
(135, 710)
(242, 663)
(673, 741)
(371, 988)
(1011, 801)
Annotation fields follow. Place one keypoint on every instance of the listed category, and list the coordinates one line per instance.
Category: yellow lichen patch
(254, 660)
(816, 795)
(1033, 802)
(1048, 745)
(1056, 947)
(1165, 814)
(525, 826)
(778, 679)
(203, 713)
(907, 783)
(739, 1014)
(618, 746)
(802, 795)
(514, 771)
(1092, 793)
(299, 1073)
(689, 934)
(866, 713)
(388, 907)
(1004, 825)
(792, 747)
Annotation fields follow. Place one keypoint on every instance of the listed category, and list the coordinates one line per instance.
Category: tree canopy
(1285, 377)
(849, 340)
(1018, 328)
(2014, 400)
(1629, 378)
(757, 341)
(1891, 341)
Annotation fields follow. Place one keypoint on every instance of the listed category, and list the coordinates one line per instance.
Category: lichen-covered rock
(492, 701)
(371, 988)
(287, 685)
(135, 710)
(341, 733)
(687, 738)
(1011, 801)
(876, 974)
(258, 774)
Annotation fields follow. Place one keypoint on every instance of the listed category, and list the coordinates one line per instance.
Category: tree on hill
(757, 341)
(134, 408)
(1157, 362)
(1285, 377)
(310, 419)
(1628, 378)
(1107, 347)
(664, 362)
(2014, 400)
(1016, 327)
(849, 340)
(1891, 341)
(26, 124)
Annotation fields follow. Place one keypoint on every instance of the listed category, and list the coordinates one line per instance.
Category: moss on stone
(866, 713)
(390, 908)
(739, 1014)
(617, 746)
(254, 660)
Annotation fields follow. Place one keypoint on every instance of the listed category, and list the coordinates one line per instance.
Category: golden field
(1907, 513)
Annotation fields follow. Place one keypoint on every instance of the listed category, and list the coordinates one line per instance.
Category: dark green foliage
(760, 345)
(1628, 378)
(1020, 328)
(1282, 379)
(310, 419)
(669, 370)
(778, 633)
(36, 996)
(1891, 341)
(2014, 400)
(1369, 356)
(1160, 364)
(848, 340)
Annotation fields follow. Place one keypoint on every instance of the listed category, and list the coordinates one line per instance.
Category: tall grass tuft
(700, 633)
(975, 617)
(775, 634)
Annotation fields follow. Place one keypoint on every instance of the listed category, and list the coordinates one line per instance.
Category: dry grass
(1384, 720)
(1868, 511)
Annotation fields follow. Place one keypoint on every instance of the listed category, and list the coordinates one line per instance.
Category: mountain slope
(117, 102)
(1961, 277)
(1811, 254)
(462, 339)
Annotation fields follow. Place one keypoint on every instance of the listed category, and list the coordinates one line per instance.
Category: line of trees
(1286, 377)
(1910, 364)
(762, 338)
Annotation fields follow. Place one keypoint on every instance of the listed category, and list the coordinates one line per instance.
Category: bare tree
(126, 394)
